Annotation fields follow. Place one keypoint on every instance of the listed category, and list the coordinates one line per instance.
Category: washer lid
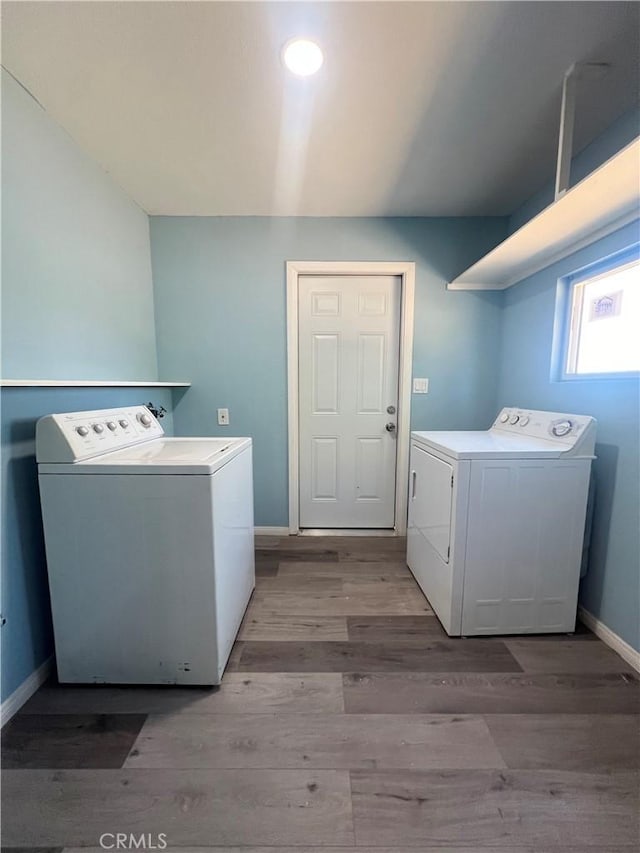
(162, 456)
(489, 444)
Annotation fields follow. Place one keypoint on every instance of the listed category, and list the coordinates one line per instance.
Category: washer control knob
(82, 430)
(145, 419)
(98, 428)
(561, 428)
(524, 420)
(514, 419)
(504, 417)
(112, 425)
(124, 423)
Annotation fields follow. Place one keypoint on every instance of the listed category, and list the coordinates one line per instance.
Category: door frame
(406, 271)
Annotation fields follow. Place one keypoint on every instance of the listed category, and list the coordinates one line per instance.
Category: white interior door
(348, 332)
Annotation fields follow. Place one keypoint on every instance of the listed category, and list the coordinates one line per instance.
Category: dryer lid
(488, 444)
(519, 434)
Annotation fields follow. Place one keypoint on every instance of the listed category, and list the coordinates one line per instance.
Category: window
(603, 318)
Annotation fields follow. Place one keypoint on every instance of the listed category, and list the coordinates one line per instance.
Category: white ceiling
(421, 108)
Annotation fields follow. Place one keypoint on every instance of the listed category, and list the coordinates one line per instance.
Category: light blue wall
(26, 636)
(77, 297)
(77, 303)
(611, 588)
(220, 320)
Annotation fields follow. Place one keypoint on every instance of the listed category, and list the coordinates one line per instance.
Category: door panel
(348, 375)
(372, 303)
(325, 304)
(325, 469)
(325, 374)
(371, 366)
(369, 463)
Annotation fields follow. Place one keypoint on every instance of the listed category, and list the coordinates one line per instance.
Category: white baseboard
(338, 531)
(626, 652)
(370, 532)
(25, 691)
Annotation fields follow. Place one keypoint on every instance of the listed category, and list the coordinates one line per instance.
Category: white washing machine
(496, 522)
(150, 547)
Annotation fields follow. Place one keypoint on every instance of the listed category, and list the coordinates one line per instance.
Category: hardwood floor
(347, 720)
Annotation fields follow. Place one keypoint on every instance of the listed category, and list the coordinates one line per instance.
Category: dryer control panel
(575, 432)
(77, 436)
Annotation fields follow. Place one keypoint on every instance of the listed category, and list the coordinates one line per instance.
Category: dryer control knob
(112, 425)
(514, 419)
(561, 428)
(98, 428)
(82, 430)
(124, 423)
(504, 417)
(145, 419)
(524, 420)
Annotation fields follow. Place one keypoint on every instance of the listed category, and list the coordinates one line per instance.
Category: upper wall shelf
(88, 383)
(604, 201)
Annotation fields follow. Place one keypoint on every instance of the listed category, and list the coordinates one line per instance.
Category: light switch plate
(420, 386)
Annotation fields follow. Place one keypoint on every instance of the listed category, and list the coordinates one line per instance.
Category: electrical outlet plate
(223, 417)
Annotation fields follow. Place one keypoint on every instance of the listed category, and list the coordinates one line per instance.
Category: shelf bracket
(575, 72)
(565, 139)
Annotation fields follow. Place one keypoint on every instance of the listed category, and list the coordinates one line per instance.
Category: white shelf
(604, 201)
(88, 383)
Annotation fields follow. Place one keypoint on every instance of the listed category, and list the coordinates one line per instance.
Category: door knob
(390, 427)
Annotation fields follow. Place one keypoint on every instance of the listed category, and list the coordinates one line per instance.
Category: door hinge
(452, 481)
(448, 552)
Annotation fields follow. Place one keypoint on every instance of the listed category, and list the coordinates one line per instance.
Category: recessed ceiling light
(302, 57)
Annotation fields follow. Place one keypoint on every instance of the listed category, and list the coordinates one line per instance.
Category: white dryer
(496, 522)
(150, 547)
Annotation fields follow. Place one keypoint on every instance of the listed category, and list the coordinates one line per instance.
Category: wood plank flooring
(347, 720)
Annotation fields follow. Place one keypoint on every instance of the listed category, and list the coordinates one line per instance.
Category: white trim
(407, 272)
(574, 306)
(293, 270)
(89, 383)
(610, 638)
(408, 278)
(25, 691)
(271, 531)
